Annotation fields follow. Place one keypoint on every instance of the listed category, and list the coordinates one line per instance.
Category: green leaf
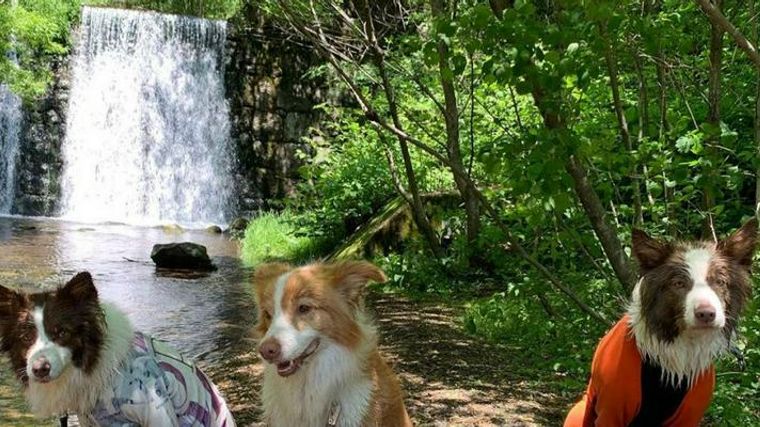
(459, 63)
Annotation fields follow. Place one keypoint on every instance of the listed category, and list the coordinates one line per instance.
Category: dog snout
(270, 350)
(705, 314)
(41, 368)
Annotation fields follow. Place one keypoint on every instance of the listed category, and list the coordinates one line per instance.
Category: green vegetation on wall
(210, 9)
(35, 31)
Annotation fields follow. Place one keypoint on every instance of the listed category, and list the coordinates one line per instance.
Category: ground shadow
(452, 378)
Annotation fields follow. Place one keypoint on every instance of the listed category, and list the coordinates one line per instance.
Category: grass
(274, 237)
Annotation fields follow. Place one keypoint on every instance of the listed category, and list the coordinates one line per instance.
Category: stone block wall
(272, 107)
(40, 162)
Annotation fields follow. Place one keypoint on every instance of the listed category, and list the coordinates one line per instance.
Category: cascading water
(147, 136)
(10, 125)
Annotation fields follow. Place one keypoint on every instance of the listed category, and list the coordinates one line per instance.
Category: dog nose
(705, 314)
(41, 368)
(270, 350)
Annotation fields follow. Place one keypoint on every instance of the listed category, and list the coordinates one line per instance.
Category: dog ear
(649, 252)
(10, 301)
(351, 277)
(268, 273)
(740, 246)
(80, 289)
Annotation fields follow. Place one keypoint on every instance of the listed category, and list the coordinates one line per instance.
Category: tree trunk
(662, 84)
(412, 196)
(590, 201)
(498, 6)
(625, 134)
(662, 104)
(713, 118)
(712, 10)
(604, 231)
(451, 117)
(644, 125)
(419, 213)
(755, 39)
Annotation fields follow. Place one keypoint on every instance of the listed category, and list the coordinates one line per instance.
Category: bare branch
(717, 18)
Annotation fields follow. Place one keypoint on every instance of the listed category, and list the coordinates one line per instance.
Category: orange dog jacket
(626, 390)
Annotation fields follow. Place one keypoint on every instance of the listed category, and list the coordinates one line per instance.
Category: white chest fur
(333, 376)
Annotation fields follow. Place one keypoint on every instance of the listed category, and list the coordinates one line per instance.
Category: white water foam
(10, 127)
(147, 136)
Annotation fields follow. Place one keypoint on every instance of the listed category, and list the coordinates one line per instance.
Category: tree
(33, 30)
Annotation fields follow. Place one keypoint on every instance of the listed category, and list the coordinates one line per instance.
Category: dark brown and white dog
(687, 304)
(74, 354)
(655, 367)
(323, 367)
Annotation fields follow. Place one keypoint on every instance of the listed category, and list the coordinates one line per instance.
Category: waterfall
(10, 125)
(147, 133)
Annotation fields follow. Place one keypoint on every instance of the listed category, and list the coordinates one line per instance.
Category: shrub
(272, 236)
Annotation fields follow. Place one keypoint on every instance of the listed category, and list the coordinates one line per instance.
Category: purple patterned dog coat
(157, 387)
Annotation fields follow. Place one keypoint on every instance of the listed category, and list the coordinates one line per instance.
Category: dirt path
(450, 378)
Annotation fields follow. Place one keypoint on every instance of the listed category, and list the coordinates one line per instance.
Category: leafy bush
(34, 30)
(344, 183)
(735, 401)
(566, 347)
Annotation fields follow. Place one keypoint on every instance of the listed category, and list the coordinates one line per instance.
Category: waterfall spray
(147, 135)
(10, 125)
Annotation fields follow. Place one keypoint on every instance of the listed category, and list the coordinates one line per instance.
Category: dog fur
(321, 348)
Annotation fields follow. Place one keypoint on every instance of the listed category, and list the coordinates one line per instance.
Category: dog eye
(679, 283)
(303, 308)
(722, 281)
(267, 316)
(61, 334)
(27, 337)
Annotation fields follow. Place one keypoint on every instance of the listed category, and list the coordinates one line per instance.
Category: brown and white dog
(655, 367)
(323, 364)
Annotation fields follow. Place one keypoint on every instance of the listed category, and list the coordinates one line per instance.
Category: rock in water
(172, 228)
(184, 255)
(214, 229)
